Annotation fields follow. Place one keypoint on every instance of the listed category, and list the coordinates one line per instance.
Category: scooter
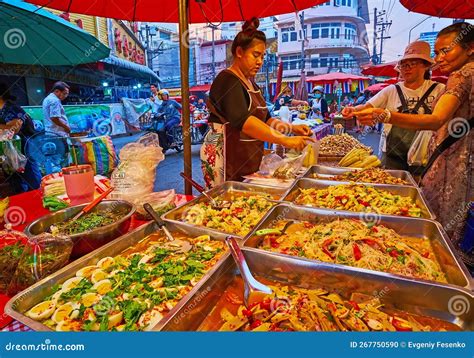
(172, 139)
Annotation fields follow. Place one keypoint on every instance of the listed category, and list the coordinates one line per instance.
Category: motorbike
(171, 139)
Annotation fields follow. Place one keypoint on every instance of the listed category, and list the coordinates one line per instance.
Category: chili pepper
(357, 252)
(354, 305)
(255, 324)
(325, 248)
(362, 202)
(247, 313)
(400, 325)
(393, 252)
(426, 254)
(375, 229)
(308, 225)
(273, 242)
(404, 211)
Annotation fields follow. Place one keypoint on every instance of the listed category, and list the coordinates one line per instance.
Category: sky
(402, 22)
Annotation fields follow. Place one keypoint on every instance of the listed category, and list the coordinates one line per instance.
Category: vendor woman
(239, 119)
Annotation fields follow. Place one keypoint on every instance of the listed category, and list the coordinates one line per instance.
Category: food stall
(342, 248)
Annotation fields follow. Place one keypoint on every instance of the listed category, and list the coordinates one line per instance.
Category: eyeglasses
(408, 65)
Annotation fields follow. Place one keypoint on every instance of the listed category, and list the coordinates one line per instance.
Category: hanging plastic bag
(135, 175)
(418, 154)
(161, 202)
(12, 245)
(15, 161)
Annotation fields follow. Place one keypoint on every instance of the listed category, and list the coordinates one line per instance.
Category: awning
(200, 88)
(132, 69)
(287, 79)
(336, 76)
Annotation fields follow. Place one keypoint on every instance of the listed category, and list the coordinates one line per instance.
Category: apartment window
(288, 34)
(315, 31)
(337, 2)
(291, 62)
(350, 31)
(165, 35)
(326, 30)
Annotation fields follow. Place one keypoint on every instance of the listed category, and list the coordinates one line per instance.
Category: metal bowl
(87, 241)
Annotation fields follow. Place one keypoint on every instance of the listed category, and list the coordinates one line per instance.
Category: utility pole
(374, 49)
(303, 37)
(379, 26)
(385, 25)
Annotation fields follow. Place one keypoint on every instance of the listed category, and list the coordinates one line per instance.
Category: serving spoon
(254, 291)
(214, 203)
(178, 245)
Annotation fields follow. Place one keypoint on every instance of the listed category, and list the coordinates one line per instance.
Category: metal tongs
(218, 205)
(254, 291)
(181, 246)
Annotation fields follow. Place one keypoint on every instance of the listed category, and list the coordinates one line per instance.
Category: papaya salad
(372, 175)
(356, 243)
(239, 217)
(297, 309)
(130, 292)
(360, 198)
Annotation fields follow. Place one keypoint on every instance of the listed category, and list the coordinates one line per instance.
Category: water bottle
(467, 242)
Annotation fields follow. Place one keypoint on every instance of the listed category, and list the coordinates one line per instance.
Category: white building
(206, 66)
(230, 29)
(336, 38)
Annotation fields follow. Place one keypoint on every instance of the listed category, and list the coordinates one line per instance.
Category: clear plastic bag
(135, 175)
(15, 161)
(270, 163)
(43, 255)
(161, 202)
(12, 245)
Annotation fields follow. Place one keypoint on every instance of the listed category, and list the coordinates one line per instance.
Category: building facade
(230, 29)
(429, 37)
(209, 65)
(336, 39)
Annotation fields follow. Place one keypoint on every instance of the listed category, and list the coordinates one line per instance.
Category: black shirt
(230, 98)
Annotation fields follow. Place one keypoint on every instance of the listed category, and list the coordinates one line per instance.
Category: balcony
(356, 42)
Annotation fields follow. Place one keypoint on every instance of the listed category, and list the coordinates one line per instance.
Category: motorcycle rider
(169, 109)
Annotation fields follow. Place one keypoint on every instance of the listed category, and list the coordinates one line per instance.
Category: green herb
(401, 259)
(104, 323)
(160, 255)
(132, 310)
(87, 326)
(76, 292)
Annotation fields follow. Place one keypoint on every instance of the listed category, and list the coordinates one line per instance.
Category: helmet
(164, 91)
(318, 88)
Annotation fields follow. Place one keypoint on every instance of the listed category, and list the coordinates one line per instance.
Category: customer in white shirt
(54, 116)
(415, 94)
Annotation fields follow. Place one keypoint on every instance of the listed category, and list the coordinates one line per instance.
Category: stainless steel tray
(455, 270)
(404, 190)
(176, 214)
(424, 298)
(26, 299)
(325, 173)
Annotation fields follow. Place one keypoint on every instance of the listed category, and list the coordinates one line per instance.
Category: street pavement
(167, 173)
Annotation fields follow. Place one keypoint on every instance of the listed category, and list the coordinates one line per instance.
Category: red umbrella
(335, 76)
(456, 9)
(376, 87)
(388, 70)
(167, 11)
(279, 80)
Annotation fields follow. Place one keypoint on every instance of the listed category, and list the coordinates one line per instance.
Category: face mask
(317, 95)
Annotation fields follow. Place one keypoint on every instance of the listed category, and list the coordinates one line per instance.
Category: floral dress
(448, 185)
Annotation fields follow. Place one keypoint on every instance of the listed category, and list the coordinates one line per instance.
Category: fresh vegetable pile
(53, 203)
(360, 198)
(130, 292)
(356, 243)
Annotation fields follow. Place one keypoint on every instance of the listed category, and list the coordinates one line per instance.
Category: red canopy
(335, 76)
(376, 87)
(167, 11)
(200, 88)
(456, 9)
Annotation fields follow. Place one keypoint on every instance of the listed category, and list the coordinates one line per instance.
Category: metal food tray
(417, 297)
(28, 298)
(455, 270)
(327, 172)
(176, 214)
(404, 190)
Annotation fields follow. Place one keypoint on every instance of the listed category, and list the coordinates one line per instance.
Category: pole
(213, 54)
(374, 50)
(381, 42)
(183, 8)
(409, 32)
(267, 75)
(302, 42)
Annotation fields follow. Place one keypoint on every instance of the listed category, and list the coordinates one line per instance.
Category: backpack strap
(402, 98)
(421, 101)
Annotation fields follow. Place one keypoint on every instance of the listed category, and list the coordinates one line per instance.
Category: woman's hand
(370, 116)
(298, 143)
(301, 129)
(347, 112)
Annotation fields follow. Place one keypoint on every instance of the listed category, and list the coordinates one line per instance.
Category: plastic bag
(290, 166)
(418, 154)
(161, 202)
(15, 161)
(135, 175)
(12, 245)
(270, 163)
(43, 255)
